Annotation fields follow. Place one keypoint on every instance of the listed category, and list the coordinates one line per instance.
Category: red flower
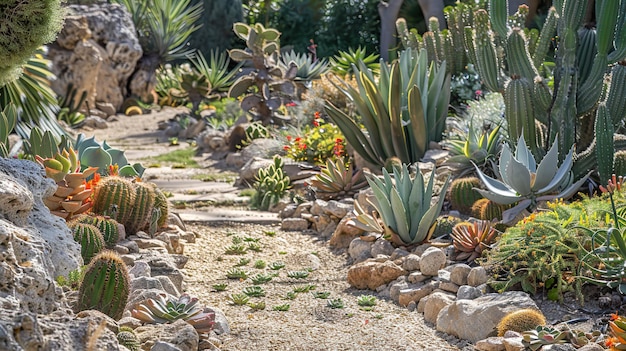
(286, 147)
(479, 93)
(290, 104)
(316, 123)
(288, 137)
(298, 139)
(318, 115)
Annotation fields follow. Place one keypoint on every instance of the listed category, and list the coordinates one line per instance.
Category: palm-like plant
(216, 69)
(343, 61)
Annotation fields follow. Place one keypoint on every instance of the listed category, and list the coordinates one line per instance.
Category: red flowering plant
(320, 141)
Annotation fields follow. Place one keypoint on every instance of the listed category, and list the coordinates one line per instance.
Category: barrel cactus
(105, 286)
(463, 195)
(114, 197)
(141, 209)
(109, 227)
(90, 240)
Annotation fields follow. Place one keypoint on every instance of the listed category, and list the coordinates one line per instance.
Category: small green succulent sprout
(523, 180)
(236, 240)
(335, 303)
(304, 288)
(298, 274)
(261, 278)
(260, 264)
(239, 299)
(257, 306)
(220, 287)
(236, 249)
(254, 247)
(242, 262)
(281, 308)
(254, 291)
(277, 265)
(291, 295)
(270, 233)
(236, 273)
(250, 239)
(321, 294)
(366, 300)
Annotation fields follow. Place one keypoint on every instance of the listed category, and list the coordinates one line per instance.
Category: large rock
(180, 334)
(345, 233)
(96, 52)
(476, 319)
(432, 261)
(372, 274)
(32, 255)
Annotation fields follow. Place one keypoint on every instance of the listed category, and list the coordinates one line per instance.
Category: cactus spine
(141, 210)
(108, 227)
(486, 209)
(105, 285)
(114, 197)
(463, 195)
(521, 321)
(90, 240)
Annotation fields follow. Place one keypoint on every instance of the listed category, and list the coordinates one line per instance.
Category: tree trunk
(388, 11)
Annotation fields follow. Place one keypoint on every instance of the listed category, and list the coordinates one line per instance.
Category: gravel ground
(309, 324)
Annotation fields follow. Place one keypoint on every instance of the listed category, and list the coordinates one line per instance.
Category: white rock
(432, 261)
(458, 274)
(435, 303)
(477, 276)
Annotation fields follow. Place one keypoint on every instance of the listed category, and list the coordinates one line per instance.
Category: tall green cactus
(573, 102)
(90, 240)
(105, 286)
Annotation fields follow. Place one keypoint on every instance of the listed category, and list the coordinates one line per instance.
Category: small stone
(477, 276)
(515, 344)
(411, 306)
(416, 293)
(591, 347)
(494, 343)
(122, 250)
(382, 247)
(337, 209)
(417, 277)
(432, 261)
(422, 304)
(411, 263)
(164, 346)
(140, 269)
(371, 274)
(95, 122)
(396, 286)
(294, 224)
(360, 250)
(458, 274)
(421, 249)
(398, 253)
(468, 292)
(449, 286)
(189, 237)
(436, 302)
(443, 275)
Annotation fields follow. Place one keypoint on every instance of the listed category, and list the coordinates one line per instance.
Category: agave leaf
(400, 216)
(494, 185)
(519, 177)
(359, 141)
(430, 216)
(382, 204)
(547, 168)
(523, 155)
(561, 173)
(505, 157)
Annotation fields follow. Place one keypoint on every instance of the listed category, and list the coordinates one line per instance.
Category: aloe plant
(337, 181)
(308, 67)
(404, 206)
(523, 180)
(8, 118)
(402, 111)
(343, 61)
(216, 70)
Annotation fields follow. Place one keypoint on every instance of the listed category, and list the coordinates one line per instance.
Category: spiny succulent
(486, 209)
(127, 337)
(166, 310)
(463, 195)
(521, 320)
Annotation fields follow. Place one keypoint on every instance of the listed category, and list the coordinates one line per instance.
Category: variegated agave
(521, 179)
(164, 310)
(337, 181)
(404, 206)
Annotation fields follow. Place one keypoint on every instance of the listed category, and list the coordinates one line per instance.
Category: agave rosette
(164, 310)
(337, 180)
(523, 180)
(471, 239)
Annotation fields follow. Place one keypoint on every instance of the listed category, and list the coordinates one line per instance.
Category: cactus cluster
(90, 239)
(271, 185)
(109, 227)
(105, 286)
(337, 181)
(138, 206)
(462, 193)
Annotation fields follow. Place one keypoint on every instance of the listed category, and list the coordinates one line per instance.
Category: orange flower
(318, 114)
(288, 137)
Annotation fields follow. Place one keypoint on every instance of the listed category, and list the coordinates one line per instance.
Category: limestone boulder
(476, 319)
(372, 274)
(345, 233)
(180, 334)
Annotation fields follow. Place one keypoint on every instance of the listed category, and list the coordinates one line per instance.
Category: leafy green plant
(242, 262)
(254, 247)
(523, 180)
(260, 279)
(304, 288)
(236, 249)
(343, 61)
(404, 206)
(536, 338)
(254, 291)
(336, 181)
(308, 67)
(367, 300)
(236, 273)
(91, 153)
(298, 274)
(335, 303)
(276, 265)
(282, 308)
(257, 306)
(271, 185)
(471, 239)
(8, 118)
(402, 111)
(267, 84)
(321, 294)
(260, 264)
(219, 287)
(73, 278)
(167, 310)
(320, 142)
(239, 299)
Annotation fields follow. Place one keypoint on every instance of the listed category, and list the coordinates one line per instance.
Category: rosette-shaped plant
(164, 310)
(523, 180)
(337, 181)
(471, 239)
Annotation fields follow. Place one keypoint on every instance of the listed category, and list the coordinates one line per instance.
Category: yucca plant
(343, 61)
(167, 310)
(216, 69)
(337, 181)
(521, 179)
(402, 111)
(471, 239)
(404, 204)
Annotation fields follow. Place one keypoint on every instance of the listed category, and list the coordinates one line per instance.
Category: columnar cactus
(573, 102)
(105, 285)
(90, 240)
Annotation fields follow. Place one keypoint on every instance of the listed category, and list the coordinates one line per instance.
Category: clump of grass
(304, 288)
(181, 158)
(236, 273)
(236, 240)
(298, 274)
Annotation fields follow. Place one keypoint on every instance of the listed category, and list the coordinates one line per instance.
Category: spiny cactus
(463, 195)
(127, 337)
(619, 163)
(521, 321)
(444, 224)
(114, 197)
(486, 209)
(90, 240)
(141, 209)
(105, 286)
(109, 227)
(161, 204)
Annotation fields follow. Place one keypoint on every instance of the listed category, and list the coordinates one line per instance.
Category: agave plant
(402, 111)
(524, 181)
(8, 118)
(337, 181)
(404, 206)
(471, 239)
(166, 310)
(473, 150)
(308, 68)
(343, 61)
